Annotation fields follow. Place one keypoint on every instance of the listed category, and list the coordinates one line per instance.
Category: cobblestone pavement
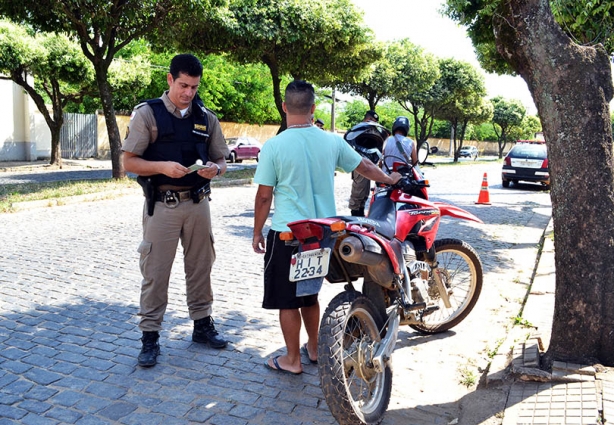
(69, 287)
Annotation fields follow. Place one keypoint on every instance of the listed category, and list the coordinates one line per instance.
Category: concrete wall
(485, 148)
(24, 135)
(260, 132)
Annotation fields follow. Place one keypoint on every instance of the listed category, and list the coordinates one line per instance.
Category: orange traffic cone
(484, 197)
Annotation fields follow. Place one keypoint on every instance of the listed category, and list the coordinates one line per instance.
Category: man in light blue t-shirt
(296, 169)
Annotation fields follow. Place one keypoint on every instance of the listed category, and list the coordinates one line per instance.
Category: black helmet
(401, 123)
(367, 134)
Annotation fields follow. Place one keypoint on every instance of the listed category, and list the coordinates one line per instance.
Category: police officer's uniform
(158, 132)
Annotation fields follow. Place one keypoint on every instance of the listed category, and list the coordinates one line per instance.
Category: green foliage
(49, 58)
(483, 132)
(587, 22)
(50, 68)
(507, 121)
(324, 42)
(375, 82)
(353, 112)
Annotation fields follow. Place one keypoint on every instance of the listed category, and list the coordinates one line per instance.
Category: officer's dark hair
(186, 64)
(300, 96)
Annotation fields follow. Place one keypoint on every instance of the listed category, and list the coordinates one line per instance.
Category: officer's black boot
(359, 212)
(205, 332)
(151, 349)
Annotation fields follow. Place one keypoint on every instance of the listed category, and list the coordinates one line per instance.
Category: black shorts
(279, 291)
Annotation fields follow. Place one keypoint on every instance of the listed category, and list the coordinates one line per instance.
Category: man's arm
(262, 207)
(373, 172)
(137, 165)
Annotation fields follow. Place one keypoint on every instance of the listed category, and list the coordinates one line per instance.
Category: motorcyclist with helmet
(391, 151)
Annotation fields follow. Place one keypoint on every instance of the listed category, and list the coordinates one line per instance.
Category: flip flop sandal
(278, 368)
(305, 351)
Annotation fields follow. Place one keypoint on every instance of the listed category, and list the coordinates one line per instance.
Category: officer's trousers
(360, 191)
(190, 223)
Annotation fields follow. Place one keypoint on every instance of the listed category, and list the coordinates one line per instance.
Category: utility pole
(332, 113)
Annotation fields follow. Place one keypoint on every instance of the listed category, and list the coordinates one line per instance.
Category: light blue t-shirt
(300, 164)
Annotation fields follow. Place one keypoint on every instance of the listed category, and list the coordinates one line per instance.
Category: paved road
(69, 284)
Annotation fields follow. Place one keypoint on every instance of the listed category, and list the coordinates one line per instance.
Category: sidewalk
(571, 394)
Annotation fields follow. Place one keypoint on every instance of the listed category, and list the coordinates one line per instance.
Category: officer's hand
(258, 243)
(210, 171)
(174, 169)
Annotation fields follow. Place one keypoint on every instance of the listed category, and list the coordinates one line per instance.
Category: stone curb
(519, 354)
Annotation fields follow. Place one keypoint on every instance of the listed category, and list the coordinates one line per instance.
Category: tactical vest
(179, 140)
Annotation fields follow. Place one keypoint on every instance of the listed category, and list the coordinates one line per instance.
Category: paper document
(196, 167)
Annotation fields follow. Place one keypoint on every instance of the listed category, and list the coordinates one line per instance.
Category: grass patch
(468, 377)
(25, 192)
(523, 322)
(244, 173)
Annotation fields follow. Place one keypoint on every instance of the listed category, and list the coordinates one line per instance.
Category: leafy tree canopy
(50, 68)
(586, 22)
(324, 42)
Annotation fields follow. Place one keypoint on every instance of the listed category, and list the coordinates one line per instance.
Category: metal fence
(79, 136)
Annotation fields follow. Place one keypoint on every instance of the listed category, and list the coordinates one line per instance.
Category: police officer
(361, 185)
(165, 137)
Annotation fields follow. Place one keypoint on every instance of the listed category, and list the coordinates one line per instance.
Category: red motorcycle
(408, 278)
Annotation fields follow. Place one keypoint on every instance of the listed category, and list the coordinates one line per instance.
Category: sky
(420, 22)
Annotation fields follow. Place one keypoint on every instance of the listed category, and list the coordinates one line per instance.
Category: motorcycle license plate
(309, 264)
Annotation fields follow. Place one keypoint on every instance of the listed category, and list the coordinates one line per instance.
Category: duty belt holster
(199, 194)
(149, 190)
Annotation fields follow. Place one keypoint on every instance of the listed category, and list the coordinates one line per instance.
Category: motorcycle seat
(382, 217)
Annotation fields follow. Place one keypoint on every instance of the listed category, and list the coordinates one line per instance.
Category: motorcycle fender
(452, 211)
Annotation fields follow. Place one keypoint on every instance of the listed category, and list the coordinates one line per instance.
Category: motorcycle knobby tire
(354, 392)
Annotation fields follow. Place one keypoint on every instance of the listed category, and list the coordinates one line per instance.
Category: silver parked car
(468, 152)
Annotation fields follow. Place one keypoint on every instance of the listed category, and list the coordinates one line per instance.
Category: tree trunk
(276, 90)
(56, 150)
(115, 143)
(572, 87)
(54, 122)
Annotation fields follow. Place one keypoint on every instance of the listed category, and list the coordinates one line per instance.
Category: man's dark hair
(300, 96)
(186, 64)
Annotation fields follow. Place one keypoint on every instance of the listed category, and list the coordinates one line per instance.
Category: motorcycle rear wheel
(354, 392)
(461, 271)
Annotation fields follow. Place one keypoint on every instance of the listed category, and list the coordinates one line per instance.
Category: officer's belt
(172, 198)
(185, 195)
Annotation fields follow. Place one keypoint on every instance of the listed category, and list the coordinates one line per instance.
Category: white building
(24, 135)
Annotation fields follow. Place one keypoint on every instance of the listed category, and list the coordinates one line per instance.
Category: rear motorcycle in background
(408, 278)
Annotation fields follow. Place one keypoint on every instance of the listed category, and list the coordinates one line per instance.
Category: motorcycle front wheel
(460, 269)
(349, 332)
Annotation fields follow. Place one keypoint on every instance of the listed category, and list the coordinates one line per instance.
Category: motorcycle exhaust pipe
(360, 251)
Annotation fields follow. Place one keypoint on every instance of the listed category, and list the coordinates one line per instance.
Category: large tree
(50, 68)
(507, 116)
(571, 85)
(414, 85)
(102, 28)
(324, 42)
(461, 91)
(375, 82)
